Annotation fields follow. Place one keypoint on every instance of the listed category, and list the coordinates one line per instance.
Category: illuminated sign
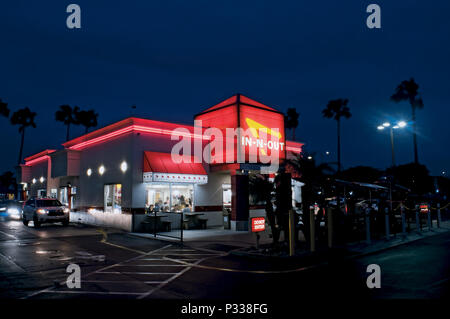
(424, 208)
(258, 224)
(259, 131)
(262, 137)
(266, 130)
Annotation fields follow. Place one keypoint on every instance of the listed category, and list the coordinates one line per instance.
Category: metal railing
(368, 225)
(166, 224)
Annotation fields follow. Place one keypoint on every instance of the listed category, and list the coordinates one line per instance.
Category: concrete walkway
(239, 239)
(398, 239)
(211, 235)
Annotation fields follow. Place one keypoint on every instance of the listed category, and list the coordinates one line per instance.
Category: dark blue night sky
(175, 58)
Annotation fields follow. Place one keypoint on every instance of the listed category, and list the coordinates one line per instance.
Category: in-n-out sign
(424, 208)
(258, 224)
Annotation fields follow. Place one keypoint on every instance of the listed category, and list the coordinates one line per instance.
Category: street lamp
(400, 124)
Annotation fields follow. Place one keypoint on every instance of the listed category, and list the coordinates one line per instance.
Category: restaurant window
(182, 196)
(54, 193)
(63, 195)
(41, 193)
(169, 197)
(226, 195)
(158, 197)
(113, 198)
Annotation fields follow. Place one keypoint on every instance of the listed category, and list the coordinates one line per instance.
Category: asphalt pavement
(115, 264)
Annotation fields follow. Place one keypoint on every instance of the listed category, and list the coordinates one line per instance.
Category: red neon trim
(293, 149)
(101, 138)
(37, 155)
(138, 128)
(37, 160)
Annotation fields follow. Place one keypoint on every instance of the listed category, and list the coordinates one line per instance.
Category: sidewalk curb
(352, 253)
(399, 244)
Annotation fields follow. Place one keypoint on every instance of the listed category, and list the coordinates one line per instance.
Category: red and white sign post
(258, 225)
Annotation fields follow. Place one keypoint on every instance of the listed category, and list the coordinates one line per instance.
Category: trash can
(226, 218)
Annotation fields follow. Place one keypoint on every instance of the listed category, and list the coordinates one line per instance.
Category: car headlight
(13, 211)
(41, 211)
(2, 209)
(66, 210)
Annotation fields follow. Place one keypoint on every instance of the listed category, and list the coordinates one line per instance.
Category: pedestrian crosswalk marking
(150, 259)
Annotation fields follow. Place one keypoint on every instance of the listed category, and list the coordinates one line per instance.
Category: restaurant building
(113, 175)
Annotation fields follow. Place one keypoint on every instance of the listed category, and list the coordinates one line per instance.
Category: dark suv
(45, 210)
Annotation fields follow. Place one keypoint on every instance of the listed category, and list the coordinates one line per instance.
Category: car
(362, 205)
(332, 203)
(10, 209)
(45, 210)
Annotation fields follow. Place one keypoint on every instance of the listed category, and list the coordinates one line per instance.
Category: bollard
(292, 231)
(386, 222)
(154, 225)
(330, 227)
(429, 219)
(418, 226)
(402, 212)
(312, 229)
(181, 227)
(368, 241)
(439, 215)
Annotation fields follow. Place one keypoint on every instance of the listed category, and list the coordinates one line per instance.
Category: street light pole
(392, 146)
(400, 124)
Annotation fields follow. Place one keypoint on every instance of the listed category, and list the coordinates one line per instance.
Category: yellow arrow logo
(256, 127)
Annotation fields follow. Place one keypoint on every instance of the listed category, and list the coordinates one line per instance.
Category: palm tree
(87, 119)
(4, 111)
(409, 91)
(337, 109)
(66, 115)
(261, 191)
(291, 120)
(25, 118)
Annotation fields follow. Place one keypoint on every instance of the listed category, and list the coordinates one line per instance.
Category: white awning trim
(175, 178)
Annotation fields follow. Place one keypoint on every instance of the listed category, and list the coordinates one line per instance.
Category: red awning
(156, 162)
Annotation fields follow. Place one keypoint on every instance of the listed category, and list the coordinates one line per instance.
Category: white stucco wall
(110, 154)
(99, 218)
(210, 194)
(37, 171)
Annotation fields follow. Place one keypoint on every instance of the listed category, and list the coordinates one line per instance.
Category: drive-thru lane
(35, 259)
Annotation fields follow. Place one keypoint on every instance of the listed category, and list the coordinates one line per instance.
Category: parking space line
(9, 235)
(136, 273)
(181, 259)
(91, 292)
(12, 263)
(121, 281)
(165, 283)
(97, 271)
(204, 254)
(154, 265)
(131, 259)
